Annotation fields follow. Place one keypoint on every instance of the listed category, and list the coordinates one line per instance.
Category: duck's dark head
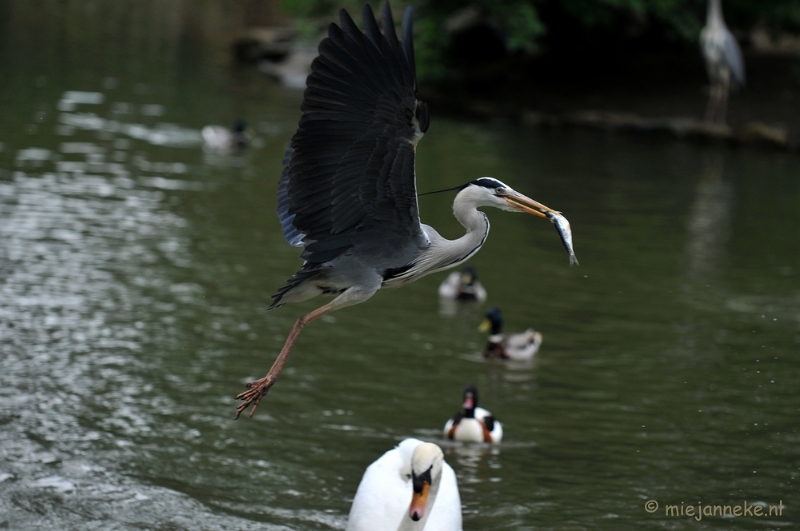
(492, 322)
(241, 137)
(470, 401)
(469, 276)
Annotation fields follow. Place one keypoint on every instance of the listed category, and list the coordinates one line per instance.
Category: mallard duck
(473, 423)
(463, 286)
(521, 346)
(221, 139)
(409, 488)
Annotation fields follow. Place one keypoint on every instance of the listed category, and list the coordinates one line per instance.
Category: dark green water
(136, 270)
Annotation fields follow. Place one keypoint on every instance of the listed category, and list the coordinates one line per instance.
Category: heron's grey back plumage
(349, 180)
(719, 46)
(733, 56)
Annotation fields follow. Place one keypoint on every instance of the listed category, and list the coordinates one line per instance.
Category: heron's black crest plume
(485, 182)
(459, 188)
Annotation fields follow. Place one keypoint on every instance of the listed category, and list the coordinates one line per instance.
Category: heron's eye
(500, 191)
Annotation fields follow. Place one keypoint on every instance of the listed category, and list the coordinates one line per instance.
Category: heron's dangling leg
(724, 90)
(258, 389)
(711, 107)
(353, 295)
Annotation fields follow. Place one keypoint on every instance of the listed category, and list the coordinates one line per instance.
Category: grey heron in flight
(724, 62)
(347, 194)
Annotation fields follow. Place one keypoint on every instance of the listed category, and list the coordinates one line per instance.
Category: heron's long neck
(453, 252)
(443, 253)
(714, 15)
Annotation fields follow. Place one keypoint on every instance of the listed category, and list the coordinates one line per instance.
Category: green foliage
(527, 24)
(782, 15)
(521, 22)
(429, 46)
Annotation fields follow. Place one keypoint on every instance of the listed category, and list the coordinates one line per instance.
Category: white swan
(410, 488)
(473, 423)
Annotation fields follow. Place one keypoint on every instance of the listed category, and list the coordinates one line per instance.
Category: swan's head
(488, 191)
(426, 470)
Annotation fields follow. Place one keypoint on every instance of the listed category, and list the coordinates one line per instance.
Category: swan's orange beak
(523, 203)
(418, 501)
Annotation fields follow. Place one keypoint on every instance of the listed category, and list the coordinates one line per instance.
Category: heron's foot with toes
(255, 392)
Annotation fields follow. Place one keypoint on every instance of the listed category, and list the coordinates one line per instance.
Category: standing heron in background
(724, 62)
(347, 194)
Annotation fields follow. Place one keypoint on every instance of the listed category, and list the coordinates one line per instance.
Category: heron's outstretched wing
(733, 57)
(290, 232)
(350, 176)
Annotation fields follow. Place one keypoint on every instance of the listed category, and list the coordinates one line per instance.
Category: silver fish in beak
(562, 225)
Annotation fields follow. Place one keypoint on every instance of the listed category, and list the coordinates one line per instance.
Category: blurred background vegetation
(485, 57)
(451, 31)
(452, 36)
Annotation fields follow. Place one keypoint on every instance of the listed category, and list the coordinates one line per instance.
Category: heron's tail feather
(298, 288)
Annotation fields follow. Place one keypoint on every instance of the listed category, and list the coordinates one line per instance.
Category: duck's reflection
(513, 371)
(476, 463)
(462, 309)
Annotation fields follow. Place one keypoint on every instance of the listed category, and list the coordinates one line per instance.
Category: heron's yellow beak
(485, 326)
(417, 509)
(522, 203)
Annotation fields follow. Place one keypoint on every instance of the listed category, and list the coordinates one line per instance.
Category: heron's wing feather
(733, 56)
(290, 232)
(351, 177)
